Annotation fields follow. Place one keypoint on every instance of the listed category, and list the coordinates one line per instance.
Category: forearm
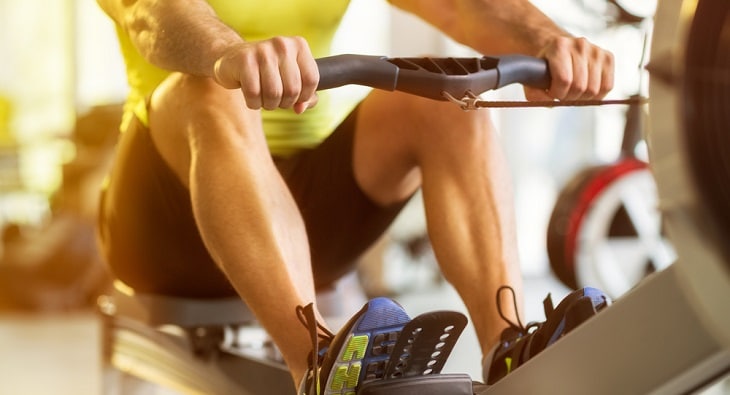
(178, 35)
(488, 26)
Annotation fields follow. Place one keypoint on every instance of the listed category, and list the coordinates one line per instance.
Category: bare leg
(245, 213)
(402, 142)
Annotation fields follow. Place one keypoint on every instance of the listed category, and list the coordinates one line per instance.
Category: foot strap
(425, 344)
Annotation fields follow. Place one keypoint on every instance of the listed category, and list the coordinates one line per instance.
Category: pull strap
(472, 102)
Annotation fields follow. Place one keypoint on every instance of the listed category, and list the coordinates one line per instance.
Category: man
(229, 179)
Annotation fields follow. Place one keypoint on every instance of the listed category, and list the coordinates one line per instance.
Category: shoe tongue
(509, 334)
(382, 316)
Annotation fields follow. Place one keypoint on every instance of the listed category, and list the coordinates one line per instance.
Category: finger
(287, 49)
(292, 83)
(600, 75)
(250, 82)
(223, 75)
(309, 73)
(561, 74)
(271, 83)
(607, 75)
(580, 78)
(593, 85)
(300, 107)
(581, 72)
(535, 94)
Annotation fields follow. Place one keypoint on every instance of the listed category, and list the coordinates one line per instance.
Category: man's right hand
(276, 73)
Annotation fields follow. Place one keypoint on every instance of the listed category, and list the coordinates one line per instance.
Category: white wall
(37, 78)
(100, 69)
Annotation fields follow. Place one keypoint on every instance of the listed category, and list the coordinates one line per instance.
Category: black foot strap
(425, 344)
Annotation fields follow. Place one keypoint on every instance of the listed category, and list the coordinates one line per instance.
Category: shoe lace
(518, 327)
(319, 335)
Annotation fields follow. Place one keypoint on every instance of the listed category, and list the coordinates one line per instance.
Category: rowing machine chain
(472, 102)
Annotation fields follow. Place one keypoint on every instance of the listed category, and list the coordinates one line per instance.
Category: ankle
(298, 377)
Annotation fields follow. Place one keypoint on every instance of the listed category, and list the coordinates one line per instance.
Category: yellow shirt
(316, 21)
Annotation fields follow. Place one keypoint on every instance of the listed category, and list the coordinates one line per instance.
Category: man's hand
(579, 71)
(275, 73)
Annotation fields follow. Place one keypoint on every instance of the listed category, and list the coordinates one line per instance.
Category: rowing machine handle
(431, 77)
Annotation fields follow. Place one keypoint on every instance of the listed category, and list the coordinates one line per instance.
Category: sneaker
(519, 343)
(359, 352)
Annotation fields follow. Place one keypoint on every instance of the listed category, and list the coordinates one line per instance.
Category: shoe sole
(367, 347)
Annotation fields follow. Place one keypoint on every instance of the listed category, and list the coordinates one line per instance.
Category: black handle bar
(432, 77)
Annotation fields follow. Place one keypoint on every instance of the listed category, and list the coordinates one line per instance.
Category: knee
(188, 104)
(188, 94)
(423, 130)
(445, 125)
(191, 115)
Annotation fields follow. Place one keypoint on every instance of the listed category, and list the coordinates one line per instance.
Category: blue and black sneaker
(359, 352)
(519, 343)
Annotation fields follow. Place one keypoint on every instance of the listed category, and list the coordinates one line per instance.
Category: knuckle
(561, 77)
(300, 42)
(582, 44)
(261, 56)
(577, 91)
(288, 45)
(593, 90)
(310, 78)
(561, 46)
(601, 56)
(270, 104)
(283, 46)
(273, 93)
(278, 42)
(608, 58)
(250, 92)
(289, 96)
(563, 41)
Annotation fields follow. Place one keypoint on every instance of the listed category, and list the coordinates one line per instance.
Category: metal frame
(650, 341)
(174, 343)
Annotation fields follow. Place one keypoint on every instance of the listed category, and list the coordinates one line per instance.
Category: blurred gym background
(61, 87)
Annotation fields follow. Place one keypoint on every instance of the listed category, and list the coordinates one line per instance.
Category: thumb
(223, 76)
(300, 107)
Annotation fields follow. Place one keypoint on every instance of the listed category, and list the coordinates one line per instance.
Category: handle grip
(525, 70)
(431, 77)
(372, 71)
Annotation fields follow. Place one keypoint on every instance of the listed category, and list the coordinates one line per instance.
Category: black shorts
(151, 241)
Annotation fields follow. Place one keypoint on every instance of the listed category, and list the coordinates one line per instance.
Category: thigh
(342, 221)
(147, 229)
